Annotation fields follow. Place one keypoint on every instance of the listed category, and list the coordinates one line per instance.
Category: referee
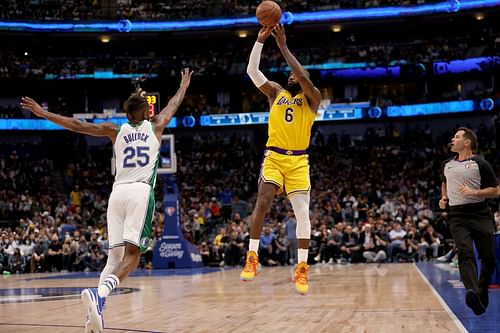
(468, 180)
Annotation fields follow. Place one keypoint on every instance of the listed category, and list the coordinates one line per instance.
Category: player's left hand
(279, 35)
(186, 77)
(32, 106)
(466, 191)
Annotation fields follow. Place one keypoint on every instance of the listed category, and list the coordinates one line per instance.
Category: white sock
(254, 245)
(108, 285)
(303, 253)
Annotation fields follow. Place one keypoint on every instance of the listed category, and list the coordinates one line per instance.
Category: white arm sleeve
(253, 71)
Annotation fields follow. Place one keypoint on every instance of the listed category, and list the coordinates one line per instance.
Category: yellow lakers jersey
(290, 122)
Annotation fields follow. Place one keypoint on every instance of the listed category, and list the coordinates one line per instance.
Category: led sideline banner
(98, 75)
(466, 65)
(430, 109)
(45, 125)
(480, 64)
(332, 112)
(449, 6)
(28, 125)
(232, 119)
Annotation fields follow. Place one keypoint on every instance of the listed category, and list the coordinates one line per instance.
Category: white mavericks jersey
(137, 152)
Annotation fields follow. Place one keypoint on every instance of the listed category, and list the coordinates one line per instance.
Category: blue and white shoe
(94, 304)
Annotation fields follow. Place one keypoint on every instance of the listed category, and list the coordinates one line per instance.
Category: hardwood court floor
(353, 298)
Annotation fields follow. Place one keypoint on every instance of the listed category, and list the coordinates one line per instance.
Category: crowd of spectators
(373, 199)
(52, 10)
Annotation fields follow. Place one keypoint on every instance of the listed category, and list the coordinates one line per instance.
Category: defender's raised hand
(30, 105)
(186, 77)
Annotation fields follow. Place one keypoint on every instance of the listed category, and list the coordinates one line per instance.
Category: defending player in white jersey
(131, 203)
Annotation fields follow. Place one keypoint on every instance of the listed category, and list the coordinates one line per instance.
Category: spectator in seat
(430, 241)
(350, 246)
(280, 247)
(17, 262)
(266, 247)
(371, 245)
(397, 240)
(67, 255)
(334, 243)
(38, 257)
(54, 254)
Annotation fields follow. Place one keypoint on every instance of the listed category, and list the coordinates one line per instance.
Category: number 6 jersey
(137, 152)
(290, 122)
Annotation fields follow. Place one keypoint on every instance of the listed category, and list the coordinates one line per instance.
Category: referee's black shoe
(473, 301)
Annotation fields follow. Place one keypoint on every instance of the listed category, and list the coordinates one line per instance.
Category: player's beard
(293, 88)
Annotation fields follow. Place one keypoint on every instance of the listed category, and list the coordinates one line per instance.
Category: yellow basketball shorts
(289, 173)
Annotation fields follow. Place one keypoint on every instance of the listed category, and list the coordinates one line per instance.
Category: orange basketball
(268, 13)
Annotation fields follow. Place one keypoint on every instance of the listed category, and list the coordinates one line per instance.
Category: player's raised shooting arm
(163, 118)
(268, 88)
(104, 129)
(312, 93)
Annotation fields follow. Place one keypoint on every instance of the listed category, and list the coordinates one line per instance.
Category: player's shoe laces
(95, 306)
(252, 267)
(300, 279)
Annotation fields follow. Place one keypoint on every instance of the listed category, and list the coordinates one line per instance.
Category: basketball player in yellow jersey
(285, 167)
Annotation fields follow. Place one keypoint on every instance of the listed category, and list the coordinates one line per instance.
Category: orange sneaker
(252, 267)
(300, 279)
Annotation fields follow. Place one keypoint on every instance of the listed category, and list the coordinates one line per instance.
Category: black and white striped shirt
(474, 172)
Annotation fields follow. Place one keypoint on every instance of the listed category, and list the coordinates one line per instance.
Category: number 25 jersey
(137, 152)
(290, 122)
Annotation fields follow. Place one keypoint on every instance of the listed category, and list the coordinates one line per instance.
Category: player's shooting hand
(264, 32)
(467, 191)
(186, 77)
(32, 106)
(279, 35)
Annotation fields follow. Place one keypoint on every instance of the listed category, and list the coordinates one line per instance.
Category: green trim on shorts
(146, 234)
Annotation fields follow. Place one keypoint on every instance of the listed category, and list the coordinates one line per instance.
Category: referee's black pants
(473, 222)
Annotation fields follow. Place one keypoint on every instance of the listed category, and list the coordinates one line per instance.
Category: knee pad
(300, 204)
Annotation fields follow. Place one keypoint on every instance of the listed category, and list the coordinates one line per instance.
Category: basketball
(268, 13)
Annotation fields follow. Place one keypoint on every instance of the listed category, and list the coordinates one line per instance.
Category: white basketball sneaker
(94, 304)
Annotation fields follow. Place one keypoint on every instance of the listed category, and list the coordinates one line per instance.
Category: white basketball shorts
(130, 215)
